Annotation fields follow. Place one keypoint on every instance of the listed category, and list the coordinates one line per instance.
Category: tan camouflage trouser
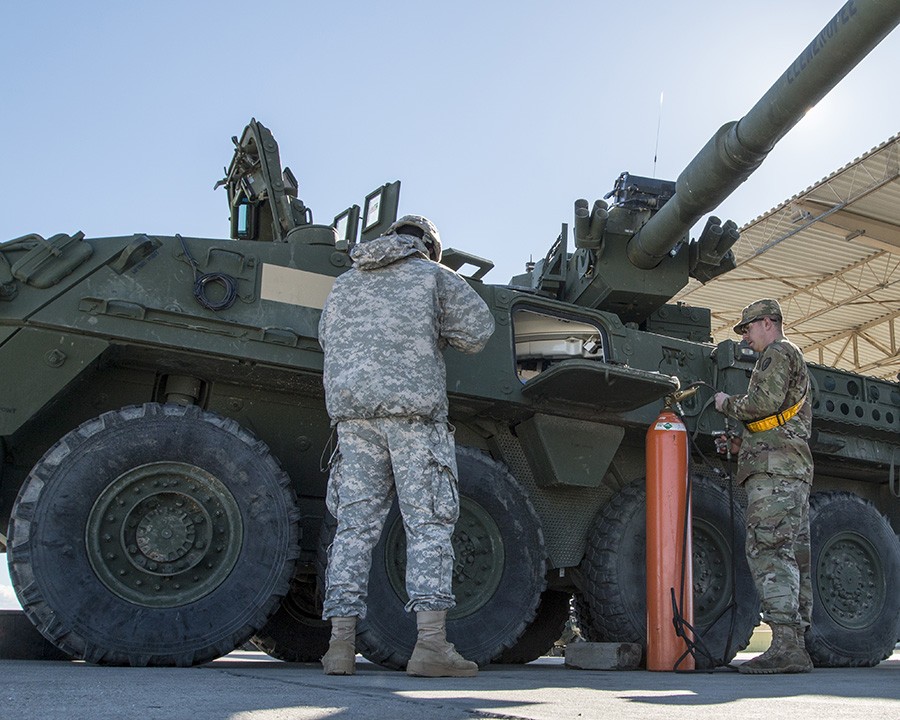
(778, 547)
(376, 459)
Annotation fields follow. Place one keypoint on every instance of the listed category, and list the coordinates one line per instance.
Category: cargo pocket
(332, 496)
(444, 484)
(445, 493)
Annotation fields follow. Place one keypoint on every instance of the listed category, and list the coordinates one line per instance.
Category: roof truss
(831, 256)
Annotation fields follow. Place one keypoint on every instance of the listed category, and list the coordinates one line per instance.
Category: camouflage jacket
(779, 380)
(383, 328)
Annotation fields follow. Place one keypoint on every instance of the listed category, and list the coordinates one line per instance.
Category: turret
(262, 197)
(633, 254)
(264, 205)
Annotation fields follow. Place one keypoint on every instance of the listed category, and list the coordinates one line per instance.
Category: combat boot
(786, 654)
(801, 656)
(433, 656)
(341, 656)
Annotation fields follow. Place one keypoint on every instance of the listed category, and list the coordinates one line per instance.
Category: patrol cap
(757, 310)
(430, 234)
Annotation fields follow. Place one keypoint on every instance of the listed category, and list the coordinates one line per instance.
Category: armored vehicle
(163, 433)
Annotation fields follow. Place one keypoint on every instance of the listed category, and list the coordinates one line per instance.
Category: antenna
(658, 123)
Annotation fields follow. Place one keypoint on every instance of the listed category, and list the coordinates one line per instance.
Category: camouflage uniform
(383, 328)
(776, 469)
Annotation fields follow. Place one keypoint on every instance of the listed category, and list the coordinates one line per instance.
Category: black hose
(226, 281)
(201, 281)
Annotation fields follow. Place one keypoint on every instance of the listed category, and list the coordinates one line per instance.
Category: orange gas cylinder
(667, 479)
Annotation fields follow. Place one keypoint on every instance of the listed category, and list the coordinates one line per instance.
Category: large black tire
(498, 576)
(154, 535)
(616, 575)
(548, 626)
(856, 582)
(296, 632)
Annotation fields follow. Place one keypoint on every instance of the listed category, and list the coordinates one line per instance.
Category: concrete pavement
(252, 686)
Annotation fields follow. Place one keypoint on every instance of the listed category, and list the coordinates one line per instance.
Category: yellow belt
(767, 423)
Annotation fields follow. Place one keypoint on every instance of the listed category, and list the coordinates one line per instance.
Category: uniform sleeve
(768, 388)
(324, 322)
(466, 322)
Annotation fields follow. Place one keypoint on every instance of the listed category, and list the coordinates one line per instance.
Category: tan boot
(786, 654)
(341, 656)
(433, 656)
(801, 657)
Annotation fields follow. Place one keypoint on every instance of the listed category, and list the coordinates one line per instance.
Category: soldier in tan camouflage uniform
(775, 466)
(383, 329)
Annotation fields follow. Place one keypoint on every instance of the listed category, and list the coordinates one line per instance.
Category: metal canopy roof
(831, 256)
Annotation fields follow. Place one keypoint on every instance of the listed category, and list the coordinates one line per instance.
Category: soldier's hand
(728, 444)
(721, 444)
(720, 399)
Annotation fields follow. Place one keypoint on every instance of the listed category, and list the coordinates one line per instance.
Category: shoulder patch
(765, 363)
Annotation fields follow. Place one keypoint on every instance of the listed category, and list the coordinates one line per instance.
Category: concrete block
(603, 656)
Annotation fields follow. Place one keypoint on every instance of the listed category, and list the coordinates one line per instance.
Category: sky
(117, 117)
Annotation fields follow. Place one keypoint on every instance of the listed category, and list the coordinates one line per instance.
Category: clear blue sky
(116, 117)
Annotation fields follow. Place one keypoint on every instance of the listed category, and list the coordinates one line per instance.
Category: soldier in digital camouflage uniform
(383, 329)
(775, 466)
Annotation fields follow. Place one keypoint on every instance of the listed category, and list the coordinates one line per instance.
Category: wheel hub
(847, 576)
(164, 534)
(477, 548)
(167, 534)
(712, 574)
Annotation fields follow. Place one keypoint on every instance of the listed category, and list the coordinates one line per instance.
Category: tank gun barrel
(738, 148)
